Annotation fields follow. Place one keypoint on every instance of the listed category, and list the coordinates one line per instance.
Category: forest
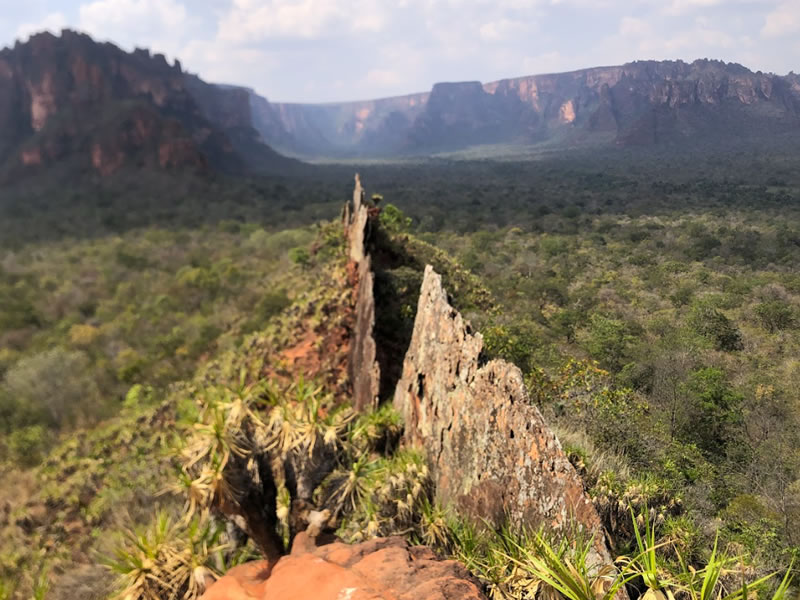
(651, 300)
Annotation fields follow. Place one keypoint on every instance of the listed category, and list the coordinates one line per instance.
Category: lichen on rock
(492, 455)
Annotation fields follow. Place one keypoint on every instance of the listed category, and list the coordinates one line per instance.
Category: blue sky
(327, 50)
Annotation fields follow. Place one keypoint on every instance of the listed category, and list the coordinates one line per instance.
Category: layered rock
(491, 453)
(70, 98)
(644, 102)
(363, 366)
(380, 569)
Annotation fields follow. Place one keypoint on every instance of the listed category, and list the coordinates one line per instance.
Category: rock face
(363, 366)
(71, 98)
(644, 102)
(381, 569)
(492, 455)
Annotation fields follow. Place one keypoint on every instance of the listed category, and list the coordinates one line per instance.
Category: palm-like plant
(304, 418)
(167, 561)
(346, 488)
(225, 465)
(705, 583)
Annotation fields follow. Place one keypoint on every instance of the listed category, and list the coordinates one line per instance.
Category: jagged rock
(491, 453)
(381, 569)
(363, 365)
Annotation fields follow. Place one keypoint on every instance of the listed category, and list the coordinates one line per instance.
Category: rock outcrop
(364, 370)
(380, 569)
(69, 98)
(491, 453)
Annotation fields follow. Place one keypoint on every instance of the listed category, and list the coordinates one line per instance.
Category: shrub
(393, 220)
(775, 315)
(26, 446)
(56, 384)
(710, 323)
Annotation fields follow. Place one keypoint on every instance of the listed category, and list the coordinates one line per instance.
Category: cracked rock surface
(491, 453)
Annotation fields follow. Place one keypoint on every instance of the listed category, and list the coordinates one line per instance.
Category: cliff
(93, 106)
(641, 103)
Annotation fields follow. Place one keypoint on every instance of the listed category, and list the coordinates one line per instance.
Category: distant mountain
(640, 103)
(70, 100)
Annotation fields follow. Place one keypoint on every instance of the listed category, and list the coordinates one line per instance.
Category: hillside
(69, 100)
(644, 103)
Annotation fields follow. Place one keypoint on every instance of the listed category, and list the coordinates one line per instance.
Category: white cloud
(221, 62)
(253, 20)
(680, 7)
(157, 23)
(634, 27)
(547, 62)
(785, 19)
(383, 78)
(501, 30)
(53, 22)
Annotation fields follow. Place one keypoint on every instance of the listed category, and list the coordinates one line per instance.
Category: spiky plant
(565, 567)
(377, 430)
(225, 467)
(648, 497)
(41, 583)
(304, 417)
(169, 560)
(392, 491)
(647, 563)
(434, 528)
(346, 488)
(706, 583)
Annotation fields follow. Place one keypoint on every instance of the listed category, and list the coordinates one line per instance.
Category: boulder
(491, 454)
(380, 569)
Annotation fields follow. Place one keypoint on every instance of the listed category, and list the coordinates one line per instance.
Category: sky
(335, 50)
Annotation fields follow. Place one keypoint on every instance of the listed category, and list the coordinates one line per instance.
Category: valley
(212, 346)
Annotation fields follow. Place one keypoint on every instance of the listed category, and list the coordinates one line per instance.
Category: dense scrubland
(652, 303)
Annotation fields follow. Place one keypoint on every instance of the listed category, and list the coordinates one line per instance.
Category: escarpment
(70, 99)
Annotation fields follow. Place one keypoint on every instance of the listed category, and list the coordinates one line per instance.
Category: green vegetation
(102, 460)
(188, 345)
(99, 316)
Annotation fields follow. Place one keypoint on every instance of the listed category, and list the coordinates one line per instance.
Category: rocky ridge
(364, 370)
(491, 455)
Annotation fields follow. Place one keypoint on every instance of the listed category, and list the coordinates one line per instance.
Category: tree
(775, 315)
(55, 386)
(608, 340)
(715, 412)
(393, 220)
(300, 256)
(716, 327)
